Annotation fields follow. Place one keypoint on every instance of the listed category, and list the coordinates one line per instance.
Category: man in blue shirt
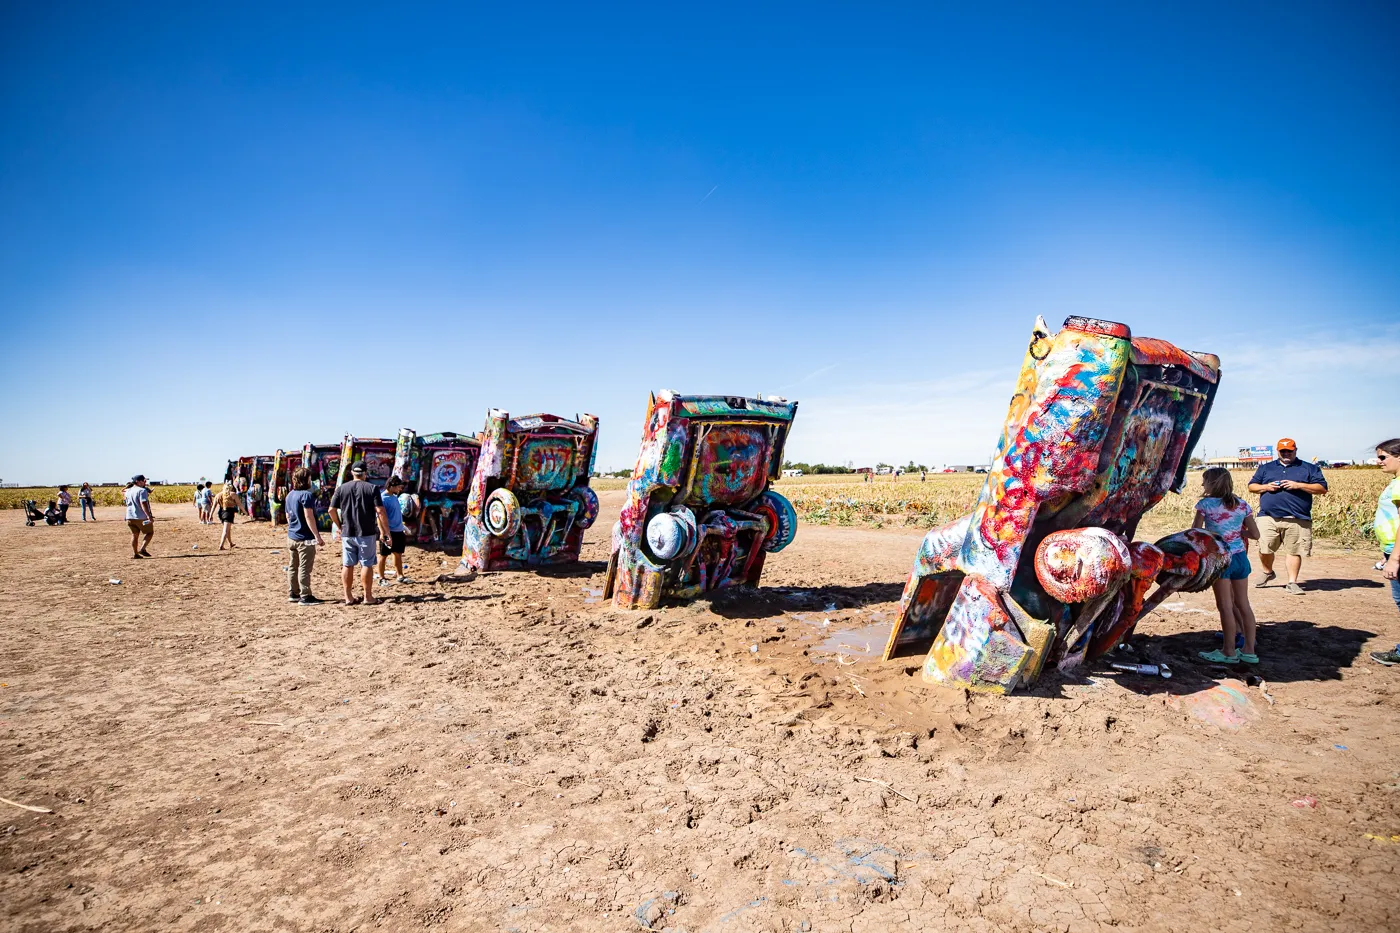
(303, 538)
(1286, 487)
(397, 539)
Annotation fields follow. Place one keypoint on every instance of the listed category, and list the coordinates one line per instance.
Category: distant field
(101, 495)
(839, 499)
(845, 499)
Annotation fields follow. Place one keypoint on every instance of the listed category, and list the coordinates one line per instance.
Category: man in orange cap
(1286, 487)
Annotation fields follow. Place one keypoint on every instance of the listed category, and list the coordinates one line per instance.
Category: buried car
(376, 453)
(530, 501)
(322, 461)
(1045, 568)
(700, 514)
(284, 463)
(437, 471)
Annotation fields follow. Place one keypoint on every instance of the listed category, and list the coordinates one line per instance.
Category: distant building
(1247, 459)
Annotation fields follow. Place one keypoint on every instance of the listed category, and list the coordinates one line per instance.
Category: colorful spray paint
(1045, 569)
(249, 476)
(259, 508)
(322, 461)
(438, 471)
(376, 453)
(530, 501)
(280, 482)
(700, 515)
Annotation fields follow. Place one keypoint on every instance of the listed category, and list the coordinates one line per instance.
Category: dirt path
(513, 754)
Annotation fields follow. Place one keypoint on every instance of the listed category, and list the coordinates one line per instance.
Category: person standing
(85, 501)
(1223, 513)
(398, 538)
(358, 516)
(139, 517)
(1385, 526)
(226, 502)
(1286, 487)
(303, 538)
(65, 499)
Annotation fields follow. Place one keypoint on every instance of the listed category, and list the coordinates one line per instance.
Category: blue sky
(224, 231)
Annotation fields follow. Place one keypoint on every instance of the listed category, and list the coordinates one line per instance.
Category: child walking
(1222, 512)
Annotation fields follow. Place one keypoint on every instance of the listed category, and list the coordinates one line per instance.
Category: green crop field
(101, 495)
(843, 499)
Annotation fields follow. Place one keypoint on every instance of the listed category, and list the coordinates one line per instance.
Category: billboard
(1265, 452)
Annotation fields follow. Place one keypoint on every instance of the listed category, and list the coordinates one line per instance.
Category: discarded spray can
(1151, 670)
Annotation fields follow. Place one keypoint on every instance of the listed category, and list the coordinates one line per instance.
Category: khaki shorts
(136, 524)
(1285, 536)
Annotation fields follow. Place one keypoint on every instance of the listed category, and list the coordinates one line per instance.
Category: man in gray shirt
(357, 515)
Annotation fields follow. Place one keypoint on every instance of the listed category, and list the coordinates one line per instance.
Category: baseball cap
(1286, 443)
(358, 467)
(138, 478)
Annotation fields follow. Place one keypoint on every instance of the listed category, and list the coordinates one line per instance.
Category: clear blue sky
(228, 231)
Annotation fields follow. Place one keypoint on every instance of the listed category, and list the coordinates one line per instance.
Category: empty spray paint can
(1151, 670)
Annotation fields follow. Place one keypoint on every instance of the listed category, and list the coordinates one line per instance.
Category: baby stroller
(32, 513)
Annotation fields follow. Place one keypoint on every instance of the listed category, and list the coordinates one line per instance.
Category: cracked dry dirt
(513, 754)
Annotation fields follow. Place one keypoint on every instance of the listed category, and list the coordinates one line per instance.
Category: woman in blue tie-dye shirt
(1230, 517)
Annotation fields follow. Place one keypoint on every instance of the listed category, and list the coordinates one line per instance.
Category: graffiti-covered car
(1045, 568)
(376, 453)
(322, 461)
(249, 475)
(437, 470)
(279, 483)
(530, 500)
(700, 514)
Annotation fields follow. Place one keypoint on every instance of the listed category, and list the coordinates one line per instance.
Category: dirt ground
(514, 754)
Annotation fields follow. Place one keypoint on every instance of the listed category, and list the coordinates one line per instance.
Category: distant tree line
(816, 468)
(819, 468)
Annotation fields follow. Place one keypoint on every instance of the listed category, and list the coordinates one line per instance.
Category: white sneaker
(405, 579)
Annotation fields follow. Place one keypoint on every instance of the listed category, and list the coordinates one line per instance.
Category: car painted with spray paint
(259, 508)
(530, 501)
(323, 463)
(284, 462)
(700, 514)
(376, 453)
(437, 470)
(249, 474)
(1045, 568)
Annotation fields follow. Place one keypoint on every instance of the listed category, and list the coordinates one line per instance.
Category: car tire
(501, 515)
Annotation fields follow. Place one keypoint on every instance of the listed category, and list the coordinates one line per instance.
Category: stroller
(32, 513)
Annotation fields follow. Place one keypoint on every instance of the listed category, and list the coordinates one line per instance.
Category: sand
(513, 754)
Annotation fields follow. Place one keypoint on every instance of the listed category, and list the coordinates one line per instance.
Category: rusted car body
(1045, 568)
(699, 514)
(530, 501)
(437, 470)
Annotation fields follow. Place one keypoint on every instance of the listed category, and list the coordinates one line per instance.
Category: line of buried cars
(1043, 571)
